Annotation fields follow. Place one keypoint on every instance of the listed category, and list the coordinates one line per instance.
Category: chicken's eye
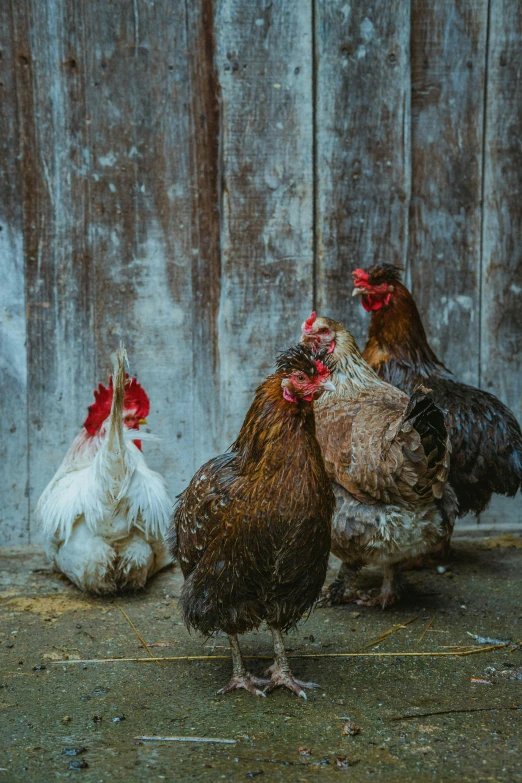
(300, 377)
(323, 330)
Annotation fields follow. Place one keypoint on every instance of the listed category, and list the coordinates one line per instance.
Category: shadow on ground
(460, 729)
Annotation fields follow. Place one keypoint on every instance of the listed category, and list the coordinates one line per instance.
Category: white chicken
(105, 513)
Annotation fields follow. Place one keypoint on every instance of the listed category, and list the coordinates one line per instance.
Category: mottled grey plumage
(388, 455)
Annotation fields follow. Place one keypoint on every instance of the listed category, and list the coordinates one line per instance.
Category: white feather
(105, 513)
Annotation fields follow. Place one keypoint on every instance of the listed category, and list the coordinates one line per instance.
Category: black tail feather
(430, 422)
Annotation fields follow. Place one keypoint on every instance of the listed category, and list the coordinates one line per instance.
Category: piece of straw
(434, 654)
(426, 630)
(387, 633)
(140, 637)
(485, 649)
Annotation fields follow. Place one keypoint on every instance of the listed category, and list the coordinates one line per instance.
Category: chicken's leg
(281, 675)
(343, 588)
(391, 586)
(240, 677)
(390, 589)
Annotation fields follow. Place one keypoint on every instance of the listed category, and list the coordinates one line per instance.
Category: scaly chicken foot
(343, 588)
(389, 593)
(280, 673)
(241, 679)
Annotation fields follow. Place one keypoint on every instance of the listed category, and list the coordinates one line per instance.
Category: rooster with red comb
(105, 513)
(485, 436)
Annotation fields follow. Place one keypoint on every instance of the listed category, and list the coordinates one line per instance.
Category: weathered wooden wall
(194, 177)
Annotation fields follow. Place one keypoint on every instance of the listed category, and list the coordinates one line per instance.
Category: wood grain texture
(206, 202)
(501, 343)
(138, 108)
(448, 61)
(164, 165)
(58, 261)
(363, 147)
(265, 72)
(14, 516)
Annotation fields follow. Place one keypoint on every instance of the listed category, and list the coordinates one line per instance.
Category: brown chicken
(388, 456)
(254, 524)
(485, 437)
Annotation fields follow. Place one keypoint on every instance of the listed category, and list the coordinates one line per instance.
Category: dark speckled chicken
(485, 437)
(253, 525)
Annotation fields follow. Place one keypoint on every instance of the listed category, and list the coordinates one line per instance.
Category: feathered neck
(352, 374)
(397, 330)
(270, 421)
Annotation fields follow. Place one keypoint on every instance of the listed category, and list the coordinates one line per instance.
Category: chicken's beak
(359, 292)
(142, 421)
(328, 385)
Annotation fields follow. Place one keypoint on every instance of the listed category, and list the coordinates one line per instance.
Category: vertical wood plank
(448, 57)
(59, 291)
(14, 516)
(264, 57)
(139, 107)
(501, 345)
(363, 146)
(206, 199)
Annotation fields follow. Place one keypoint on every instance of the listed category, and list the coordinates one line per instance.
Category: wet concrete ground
(48, 706)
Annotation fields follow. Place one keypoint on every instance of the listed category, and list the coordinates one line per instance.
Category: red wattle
(288, 396)
(369, 303)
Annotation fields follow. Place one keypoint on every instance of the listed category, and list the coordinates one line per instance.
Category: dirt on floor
(442, 717)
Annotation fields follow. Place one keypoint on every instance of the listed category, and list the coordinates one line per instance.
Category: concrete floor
(48, 707)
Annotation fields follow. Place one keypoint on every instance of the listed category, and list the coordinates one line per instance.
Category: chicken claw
(377, 598)
(280, 674)
(246, 682)
(335, 595)
(281, 678)
(343, 588)
(389, 593)
(241, 679)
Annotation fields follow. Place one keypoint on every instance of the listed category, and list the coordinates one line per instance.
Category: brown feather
(254, 525)
(486, 438)
(388, 455)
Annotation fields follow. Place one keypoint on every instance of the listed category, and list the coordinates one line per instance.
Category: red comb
(360, 274)
(307, 326)
(135, 398)
(100, 409)
(322, 369)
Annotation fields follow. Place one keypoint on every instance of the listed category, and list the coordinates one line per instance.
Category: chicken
(253, 525)
(104, 515)
(388, 456)
(485, 437)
